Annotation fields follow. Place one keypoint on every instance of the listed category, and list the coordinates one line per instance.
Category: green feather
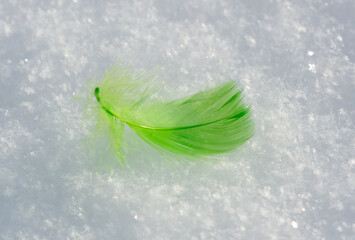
(209, 122)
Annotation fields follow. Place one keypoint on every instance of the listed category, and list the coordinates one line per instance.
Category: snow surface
(294, 180)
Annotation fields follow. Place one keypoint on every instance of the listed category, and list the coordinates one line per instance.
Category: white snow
(293, 180)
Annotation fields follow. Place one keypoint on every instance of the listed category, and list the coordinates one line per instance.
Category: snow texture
(295, 179)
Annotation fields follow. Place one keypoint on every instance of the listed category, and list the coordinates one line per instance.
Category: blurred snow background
(294, 180)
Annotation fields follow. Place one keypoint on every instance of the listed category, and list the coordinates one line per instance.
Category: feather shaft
(240, 114)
